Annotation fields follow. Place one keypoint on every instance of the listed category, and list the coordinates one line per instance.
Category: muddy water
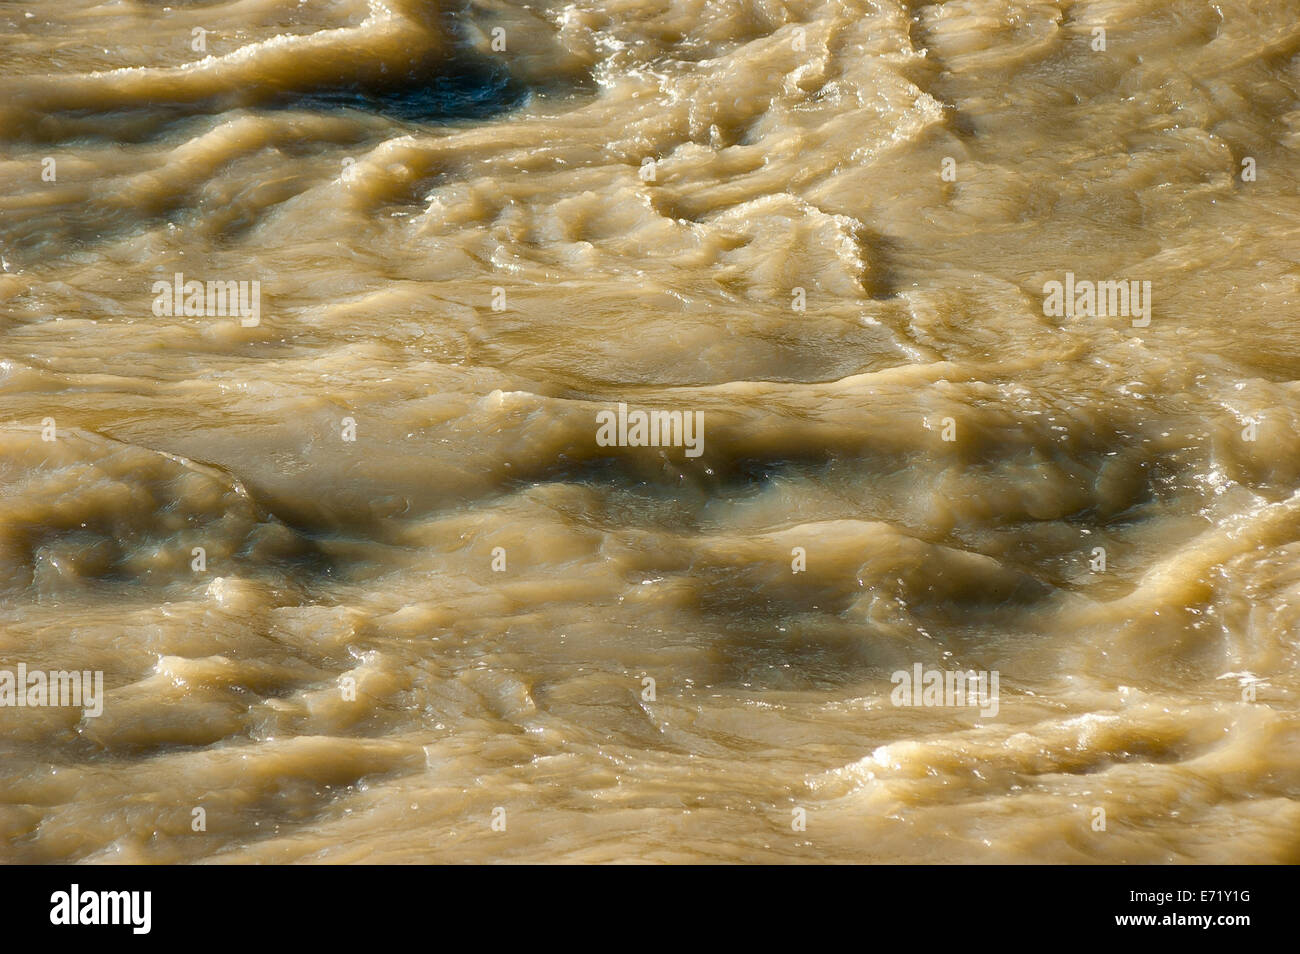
(362, 581)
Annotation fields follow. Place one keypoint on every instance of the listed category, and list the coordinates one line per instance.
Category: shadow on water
(663, 473)
(463, 91)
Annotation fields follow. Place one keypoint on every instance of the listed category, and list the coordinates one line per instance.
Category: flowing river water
(366, 582)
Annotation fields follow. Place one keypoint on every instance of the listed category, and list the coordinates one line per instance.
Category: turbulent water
(366, 582)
